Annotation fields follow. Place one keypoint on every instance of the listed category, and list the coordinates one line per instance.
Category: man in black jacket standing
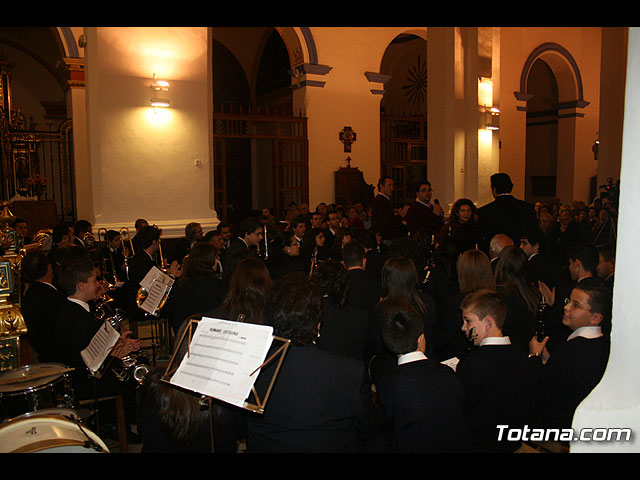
(506, 214)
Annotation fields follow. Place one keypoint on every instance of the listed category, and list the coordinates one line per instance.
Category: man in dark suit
(574, 368)
(75, 327)
(421, 398)
(383, 218)
(506, 214)
(40, 303)
(497, 377)
(250, 234)
(422, 213)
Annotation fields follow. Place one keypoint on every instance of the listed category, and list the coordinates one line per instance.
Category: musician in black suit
(383, 218)
(75, 327)
(575, 367)
(421, 398)
(506, 214)
(320, 401)
(40, 303)
(498, 380)
(250, 234)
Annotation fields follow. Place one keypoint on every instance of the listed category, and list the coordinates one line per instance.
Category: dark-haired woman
(513, 282)
(198, 289)
(248, 292)
(313, 249)
(319, 402)
(461, 226)
(344, 328)
(284, 255)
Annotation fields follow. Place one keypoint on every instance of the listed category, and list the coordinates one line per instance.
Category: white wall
(615, 402)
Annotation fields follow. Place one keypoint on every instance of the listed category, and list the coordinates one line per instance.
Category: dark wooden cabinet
(350, 187)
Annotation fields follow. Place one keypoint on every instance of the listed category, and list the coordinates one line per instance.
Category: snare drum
(49, 431)
(34, 387)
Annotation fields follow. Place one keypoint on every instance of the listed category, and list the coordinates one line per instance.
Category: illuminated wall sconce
(160, 89)
(491, 118)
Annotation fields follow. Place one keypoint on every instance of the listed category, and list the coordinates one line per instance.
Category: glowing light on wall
(489, 114)
(160, 87)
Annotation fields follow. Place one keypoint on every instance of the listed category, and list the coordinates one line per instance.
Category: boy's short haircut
(486, 303)
(71, 272)
(400, 331)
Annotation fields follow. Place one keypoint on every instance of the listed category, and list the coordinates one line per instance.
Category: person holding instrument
(75, 327)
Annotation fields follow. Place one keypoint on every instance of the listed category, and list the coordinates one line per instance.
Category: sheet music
(223, 354)
(99, 347)
(156, 283)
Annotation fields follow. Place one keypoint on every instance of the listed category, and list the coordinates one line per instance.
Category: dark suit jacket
(573, 370)
(499, 390)
(195, 295)
(383, 219)
(345, 330)
(508, 215)
(319, 403)
(40, 306)
(423, 402)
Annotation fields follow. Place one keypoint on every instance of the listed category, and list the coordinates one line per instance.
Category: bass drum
(49, 431)
(34, 387)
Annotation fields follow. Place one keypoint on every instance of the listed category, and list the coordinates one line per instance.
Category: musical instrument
(540, 334)
(471, 338)
(35, 387)
(49, 431)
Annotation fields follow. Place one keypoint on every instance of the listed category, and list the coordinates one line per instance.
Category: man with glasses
(575, 367)
(422, 213)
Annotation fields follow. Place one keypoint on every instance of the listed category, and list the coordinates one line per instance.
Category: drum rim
(59, 442)
(46, 384)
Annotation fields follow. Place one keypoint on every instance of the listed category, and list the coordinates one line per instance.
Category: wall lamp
(160, 87)
(491, 118)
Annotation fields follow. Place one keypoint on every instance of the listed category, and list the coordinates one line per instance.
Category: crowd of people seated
(419, 331)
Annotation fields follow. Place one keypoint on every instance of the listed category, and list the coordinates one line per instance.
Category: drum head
(48, 434)
(30, 377)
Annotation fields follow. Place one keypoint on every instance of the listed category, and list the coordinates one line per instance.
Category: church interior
(211, 125)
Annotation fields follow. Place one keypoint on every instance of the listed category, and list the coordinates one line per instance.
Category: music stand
(259, 405)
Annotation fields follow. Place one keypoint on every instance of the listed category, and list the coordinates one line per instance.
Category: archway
(403, 115)
(552, 86)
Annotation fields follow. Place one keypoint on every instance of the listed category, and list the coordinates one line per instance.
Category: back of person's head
(59, 232)
(35, 265)
(139, 223)
(353, 254)
(511, 265)
(333, 279)
(147, 235)
(248, 226)
(369, 240)
(295, 308)
(400, 331)
(200, 261)
(501, 182)
(474, 272)
(486, 303)
(249, 289)
(399, 276)
(210, 235)
(587, 255)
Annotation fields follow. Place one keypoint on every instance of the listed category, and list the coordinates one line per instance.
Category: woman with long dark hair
(313, 249)
(400, 292)
(461, 226)
(198, 289)
(344, 328)
(513, 282)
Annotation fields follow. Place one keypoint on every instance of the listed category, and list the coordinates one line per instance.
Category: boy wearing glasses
(577, 365)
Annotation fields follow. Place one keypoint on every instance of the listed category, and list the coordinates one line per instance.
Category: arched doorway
(403, 115)
(257, 139)
(552, 86)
